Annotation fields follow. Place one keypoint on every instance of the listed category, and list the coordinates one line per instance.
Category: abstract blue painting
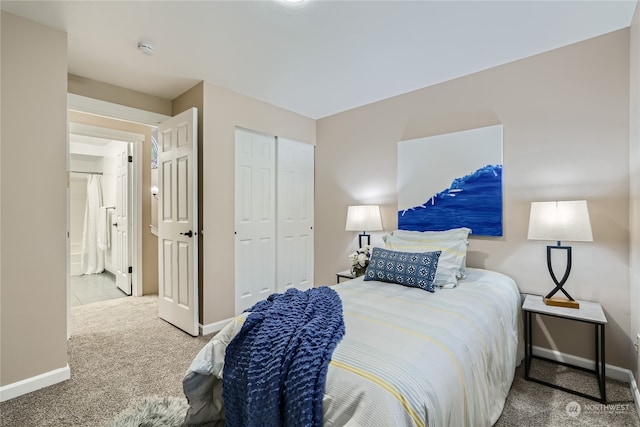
(452, 180)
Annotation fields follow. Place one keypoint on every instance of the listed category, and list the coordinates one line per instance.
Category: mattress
(408, 358)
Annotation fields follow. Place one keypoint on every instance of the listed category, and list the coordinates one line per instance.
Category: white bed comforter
(409, 357)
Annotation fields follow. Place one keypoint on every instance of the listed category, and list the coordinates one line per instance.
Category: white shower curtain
(93, 256)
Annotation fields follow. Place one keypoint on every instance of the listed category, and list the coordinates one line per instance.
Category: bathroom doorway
(97, 118)
(100, 246)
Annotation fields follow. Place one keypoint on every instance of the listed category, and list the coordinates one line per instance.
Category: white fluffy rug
(153, 411)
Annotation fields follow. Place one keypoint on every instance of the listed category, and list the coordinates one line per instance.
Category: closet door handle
(188, 233)
(115, 224)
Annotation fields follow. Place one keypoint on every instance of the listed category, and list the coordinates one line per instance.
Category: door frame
(119, 112)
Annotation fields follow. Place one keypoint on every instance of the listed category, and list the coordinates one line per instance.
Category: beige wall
(565, 116)
(194, 97)
(149, 241)
(33, 312)
(224, 110)
(634, 190)
(118, 95)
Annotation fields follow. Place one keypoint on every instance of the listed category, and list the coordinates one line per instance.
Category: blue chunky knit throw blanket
(275, 367)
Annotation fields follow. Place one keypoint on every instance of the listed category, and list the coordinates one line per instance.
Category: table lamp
(560, 220)
(364, 218)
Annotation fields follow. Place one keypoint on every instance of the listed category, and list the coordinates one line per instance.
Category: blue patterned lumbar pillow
(417, 270)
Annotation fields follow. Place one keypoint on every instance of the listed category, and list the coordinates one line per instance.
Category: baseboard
(28, 385)
(613, 372)
(214, 327)
(634, 391)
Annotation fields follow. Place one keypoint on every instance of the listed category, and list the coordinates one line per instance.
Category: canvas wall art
(452, 180)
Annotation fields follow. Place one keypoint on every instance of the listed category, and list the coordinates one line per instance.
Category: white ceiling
(317, 57)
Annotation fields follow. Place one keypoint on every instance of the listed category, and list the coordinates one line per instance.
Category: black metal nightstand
(346, 274)
(589, 312)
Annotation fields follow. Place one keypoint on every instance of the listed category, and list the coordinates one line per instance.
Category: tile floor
(89, 288)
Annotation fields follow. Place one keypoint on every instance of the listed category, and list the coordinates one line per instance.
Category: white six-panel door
(178, 221)
(255, 222)
(295, 168)
(121, 252)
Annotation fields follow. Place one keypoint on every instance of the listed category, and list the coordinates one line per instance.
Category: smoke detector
(146, 48)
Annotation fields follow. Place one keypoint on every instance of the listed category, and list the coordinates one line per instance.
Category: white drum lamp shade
(364, 218)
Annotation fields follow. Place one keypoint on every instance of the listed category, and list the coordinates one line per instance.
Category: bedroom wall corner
(33, 301)
(634, 189)
(566, 136)
(224, 111)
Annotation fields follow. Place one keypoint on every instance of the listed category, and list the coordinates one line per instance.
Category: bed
(408, 358)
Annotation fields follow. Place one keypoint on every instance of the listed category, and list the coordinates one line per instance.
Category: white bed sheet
(413, 358)
(410, 357)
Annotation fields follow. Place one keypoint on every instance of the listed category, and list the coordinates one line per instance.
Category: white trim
(215, 326)
(634, 391)
(67, 206)
(136, 221)
(614, 372)
(81, 129)
(116, 111)
(28, 385)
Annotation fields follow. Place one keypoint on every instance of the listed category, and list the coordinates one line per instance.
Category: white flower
(360, 258)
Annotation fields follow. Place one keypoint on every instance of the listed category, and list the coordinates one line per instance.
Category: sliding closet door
(295, 214)
(255, 218)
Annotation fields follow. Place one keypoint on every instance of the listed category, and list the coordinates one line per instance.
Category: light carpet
(120, 351)
(122, 355)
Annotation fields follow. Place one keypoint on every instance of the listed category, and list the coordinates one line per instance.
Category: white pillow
(451, 262)
(452, 234)
(436, 236)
